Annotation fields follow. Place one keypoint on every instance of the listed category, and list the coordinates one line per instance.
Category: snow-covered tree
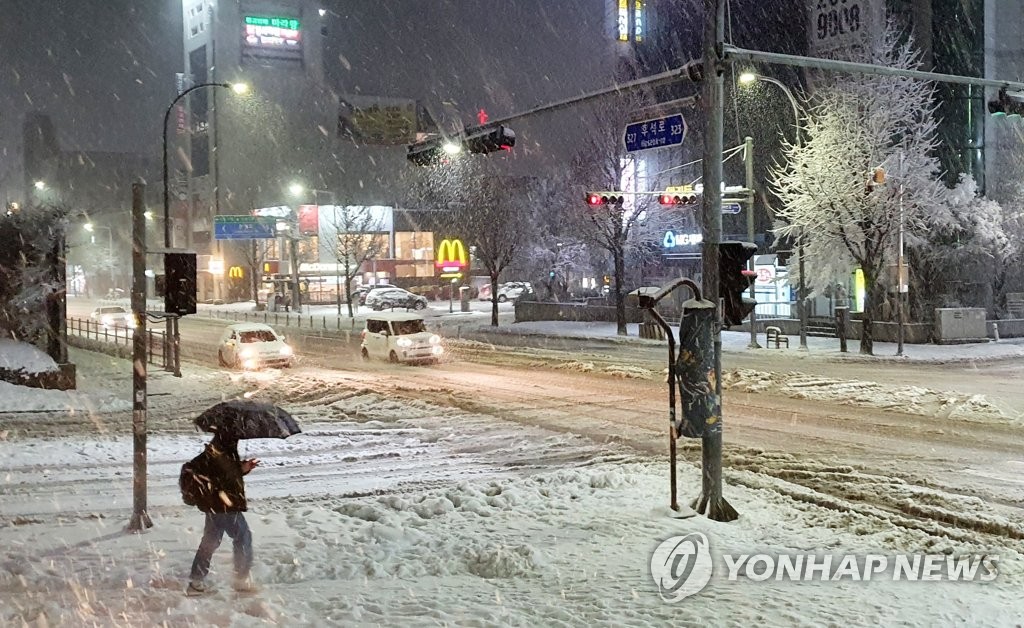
(493, 214)
(857, 123)
(971, 241)
(354, 235)
(31, 267)
(602, 163)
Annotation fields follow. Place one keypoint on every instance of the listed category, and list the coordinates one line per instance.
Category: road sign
(656, 133)
(731, 208)
(244, 227)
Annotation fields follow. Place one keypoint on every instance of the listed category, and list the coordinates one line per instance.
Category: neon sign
(673, 239)
(272, 37)
(451, 259)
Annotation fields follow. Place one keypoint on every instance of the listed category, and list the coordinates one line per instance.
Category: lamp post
(90, 227)
(297, 190)
(750, 77)
(238, 88)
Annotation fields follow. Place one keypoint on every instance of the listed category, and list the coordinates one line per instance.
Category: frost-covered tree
(31, 274)
(354, 234)
(965, 247)
(493, 214)
(855, 124)
(602, 163)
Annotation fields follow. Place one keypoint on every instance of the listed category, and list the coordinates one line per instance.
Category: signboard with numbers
(837, 25)
(656, 133)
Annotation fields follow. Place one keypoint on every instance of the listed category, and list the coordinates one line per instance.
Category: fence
(157, 349)
(280, 319)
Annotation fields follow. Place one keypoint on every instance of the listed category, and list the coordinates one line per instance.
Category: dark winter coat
(219, 471)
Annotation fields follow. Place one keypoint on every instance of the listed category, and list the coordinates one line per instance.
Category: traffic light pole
(140, 517)
(711, 502)
(748, 153)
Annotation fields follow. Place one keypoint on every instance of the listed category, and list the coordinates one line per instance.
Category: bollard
(995, 330)
(841, 313)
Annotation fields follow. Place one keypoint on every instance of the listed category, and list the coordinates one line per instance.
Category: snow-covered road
(522, 494)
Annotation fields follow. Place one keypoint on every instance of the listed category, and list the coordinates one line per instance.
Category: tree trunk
(494, 300)
(348, 295)
(872, 304)
(620, 298)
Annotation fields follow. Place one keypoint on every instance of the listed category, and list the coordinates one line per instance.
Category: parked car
(400, 337)
(364, 290)
(253, 346)
(511, 290)
(387, 298)
(112, 316)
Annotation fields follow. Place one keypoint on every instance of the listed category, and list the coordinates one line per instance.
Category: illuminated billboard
(271, 37)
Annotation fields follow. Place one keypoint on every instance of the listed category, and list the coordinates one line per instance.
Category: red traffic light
(678, 199)
(605, 198)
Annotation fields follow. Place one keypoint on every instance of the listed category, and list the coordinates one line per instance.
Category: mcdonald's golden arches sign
(451, 260)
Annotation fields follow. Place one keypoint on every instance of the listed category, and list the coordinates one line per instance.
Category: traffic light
(679, 195)
(180, 283)
(1003, 105)
(480, 140)
(734, 280)
(605, 198)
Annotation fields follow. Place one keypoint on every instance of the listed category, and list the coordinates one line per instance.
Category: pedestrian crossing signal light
(488, 140)
(605, 198)
(734, 280)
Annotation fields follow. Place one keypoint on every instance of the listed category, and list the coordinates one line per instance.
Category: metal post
(711, 500)
(748, 154)
(294, 246)
(901, 288)
(176, 347)
(140, 518)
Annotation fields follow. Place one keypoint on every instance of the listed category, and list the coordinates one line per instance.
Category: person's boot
(246, 585)
(195, 587)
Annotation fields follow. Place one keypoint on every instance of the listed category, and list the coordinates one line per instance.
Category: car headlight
(129, 321)
(286, 350)
(403, 342)
(435, 340)
(247, 353)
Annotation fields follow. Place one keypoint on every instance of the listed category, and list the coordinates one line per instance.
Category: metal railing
(157, 348)
(293, 320)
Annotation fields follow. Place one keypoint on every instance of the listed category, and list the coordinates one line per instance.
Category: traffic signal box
(605, 198)
(734, 280)
(180, 283)
(476, 140)
(679, 195)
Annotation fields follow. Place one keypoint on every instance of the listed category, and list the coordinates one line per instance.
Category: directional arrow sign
(731, 208)
(244, 227)
(656, 133)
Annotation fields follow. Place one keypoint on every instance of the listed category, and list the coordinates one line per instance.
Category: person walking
(220, 493)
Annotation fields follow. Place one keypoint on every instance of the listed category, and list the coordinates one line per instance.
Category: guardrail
(294, 320)
(121, 338)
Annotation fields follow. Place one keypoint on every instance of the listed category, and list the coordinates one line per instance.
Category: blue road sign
(656, 133)
(731, 208)
(244, 227)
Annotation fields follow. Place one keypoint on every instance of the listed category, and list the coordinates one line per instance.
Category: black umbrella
(242, 418)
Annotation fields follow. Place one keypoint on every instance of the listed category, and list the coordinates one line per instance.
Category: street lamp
(747, 78)
(40, 185)
(110, 247)
(238, 88)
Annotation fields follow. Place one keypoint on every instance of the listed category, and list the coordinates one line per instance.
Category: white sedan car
(113, 316)
(253, 346)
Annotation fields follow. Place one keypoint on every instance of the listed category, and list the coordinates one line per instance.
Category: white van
(400, 337)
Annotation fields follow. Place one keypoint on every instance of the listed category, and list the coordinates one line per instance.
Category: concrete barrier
(577, 312)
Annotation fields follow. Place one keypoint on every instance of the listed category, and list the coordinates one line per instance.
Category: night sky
(104, 69)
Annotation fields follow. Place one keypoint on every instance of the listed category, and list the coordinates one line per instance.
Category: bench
(774, 334)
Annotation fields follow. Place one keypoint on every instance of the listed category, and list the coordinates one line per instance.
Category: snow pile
(25, 399)
(909, 399)
(628, 372)
(16, 356)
